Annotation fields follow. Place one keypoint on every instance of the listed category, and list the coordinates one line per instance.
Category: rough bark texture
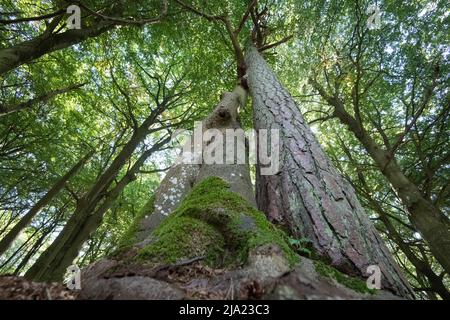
(213, 219)
(308, 195)
(214, 244)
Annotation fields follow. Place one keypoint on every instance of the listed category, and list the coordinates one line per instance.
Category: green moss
(269, 234)
(182, 238)
(350, 282)
(128, 238)
(214, 222)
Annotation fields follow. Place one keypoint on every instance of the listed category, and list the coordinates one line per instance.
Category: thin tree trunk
(46, 231)
(436, 282)
(423, 267)
(20, 249)
(425, 217)
(45, 200)
(5, 110)
(83, 230)
(86, 206)
(36, 246)
(308, 196)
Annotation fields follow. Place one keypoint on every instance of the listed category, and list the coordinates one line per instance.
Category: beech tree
(95, 22)
(350, 170)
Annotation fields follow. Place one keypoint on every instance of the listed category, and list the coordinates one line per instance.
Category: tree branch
(245, 16)
(42, 17)
(272, 45)
(128, 21)
(4, 110)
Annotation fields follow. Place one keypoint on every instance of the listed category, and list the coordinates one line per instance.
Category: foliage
(392, 68)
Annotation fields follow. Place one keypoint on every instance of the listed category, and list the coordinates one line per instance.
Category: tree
(307, 195)
(350, 97)
(144, 224)
(52, 39)
(90, 209)
(45, 200)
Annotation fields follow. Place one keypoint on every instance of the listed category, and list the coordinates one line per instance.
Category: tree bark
(138, 272)
(181, 177)
(308, 196)
(45, 200)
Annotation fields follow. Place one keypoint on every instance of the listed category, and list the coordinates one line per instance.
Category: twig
(269, 46)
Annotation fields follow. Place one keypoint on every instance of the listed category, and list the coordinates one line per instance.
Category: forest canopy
(91, 99)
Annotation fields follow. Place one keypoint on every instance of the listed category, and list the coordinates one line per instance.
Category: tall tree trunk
(41, 270)
(81, 233)
(45, 200)
(308, 196)
(214, 225)
(226, 214)
(426, 218)
(181, 177)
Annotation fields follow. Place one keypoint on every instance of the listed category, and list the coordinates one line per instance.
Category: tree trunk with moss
(181, 177)
(207, 214)
(308, 196)
(201, 237)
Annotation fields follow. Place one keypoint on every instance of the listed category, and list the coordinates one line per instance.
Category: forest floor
(196, 281)
(18, 288)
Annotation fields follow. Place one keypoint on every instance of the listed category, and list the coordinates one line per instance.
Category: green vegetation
(355, 284)
(128, 238)
(216, 223)
(393, 81)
